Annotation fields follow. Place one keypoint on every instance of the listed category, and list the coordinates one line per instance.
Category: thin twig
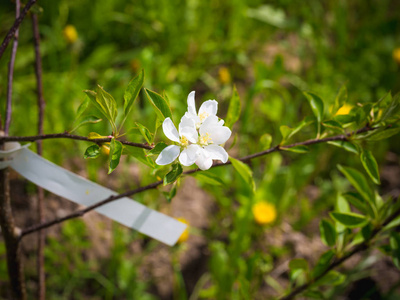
(7, 120)
(338, 261)
(40, 209)
(153, 185)
(66, 135)
(15, 26)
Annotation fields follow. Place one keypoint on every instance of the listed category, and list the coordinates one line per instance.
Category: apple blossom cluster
(199, 137)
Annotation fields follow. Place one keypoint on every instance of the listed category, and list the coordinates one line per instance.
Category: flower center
(184, 141)
(205, 139)
(203, 116)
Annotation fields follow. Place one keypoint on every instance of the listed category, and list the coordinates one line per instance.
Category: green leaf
(159, 104)
(265, 141)
(92, 152)
(174, 174)
(370, 165)
(392, 109)
(285, 131)
(171, 194)
(115, 154)
(395, 248)
(140, 155)
(234, 109)
(107, 104)
(333, 125)
(359, 182)
(344, 119)
(296, 149)
(340, 98)
(298, 264)
(157, 149)
(332, 278)
(145, 132)
(86, 120)
(328, 232)
(208, 177)
(383, 134)
(350, 220)
(244, 171)
(348, 146)
(323, 263)
(82, 107)
(317, 107)
(357, 201)
(132, 91)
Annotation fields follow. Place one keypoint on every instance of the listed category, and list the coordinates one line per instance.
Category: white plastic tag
(73, 187)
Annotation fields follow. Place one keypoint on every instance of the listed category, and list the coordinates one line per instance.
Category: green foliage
(92, 151)
(159, 104)
(132, 91)
(174, 174)
(234, 109)
(244, 171)
(115, 154)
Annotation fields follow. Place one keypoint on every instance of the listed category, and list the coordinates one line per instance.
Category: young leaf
(350, 220)
(234, 109)
(81, 109)
(159, 104)
(157, 149)
(107, 102)
(265, 141)
(317, 106)
(145, 132)
(115, 154)
(298, 263)
(244, 171)
(132, 91)
(328, 232)
(285, 131)
(92, 152)
(296, 149)
(208, 177)
(348, 146)
(174, 174)
(332, 278)
(95, 135)
(383, 134)
(323, 263)
(395, 248)
(140, 155)
(340, 98)
(171, 194)
(333, 125)
(370, 165)
(392, 109)
(359, 182)
(86, 120)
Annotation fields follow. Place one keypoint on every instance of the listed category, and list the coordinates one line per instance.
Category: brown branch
(338, 261)
(66, 135)
(15, 26)
(40, 192)
(11, 64)
(153, 185)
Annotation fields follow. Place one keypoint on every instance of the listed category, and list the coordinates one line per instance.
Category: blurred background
(271, 51)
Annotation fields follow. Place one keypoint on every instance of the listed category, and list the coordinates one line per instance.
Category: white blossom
(208, 108)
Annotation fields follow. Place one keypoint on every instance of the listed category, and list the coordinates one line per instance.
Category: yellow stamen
(203, 116)
(184, 141)
(205, 139)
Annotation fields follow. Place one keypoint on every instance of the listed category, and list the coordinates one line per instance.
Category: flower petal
(170, 130)
(189, 156)
(190, 133)
(217, 152)
(186, 121)
(210, 107)
(168, 155)
(204, 162)
(191, 104)
(220, 134)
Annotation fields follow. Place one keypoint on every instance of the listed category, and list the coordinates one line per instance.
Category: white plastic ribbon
(73, 187)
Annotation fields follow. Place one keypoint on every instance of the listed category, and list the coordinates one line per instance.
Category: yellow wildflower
(224, 75)
(344, 110)
(70, 34)
(264, 212)
(185, 235)
(396, 55)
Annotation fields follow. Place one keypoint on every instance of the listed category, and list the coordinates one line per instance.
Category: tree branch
(153, 185)
(40, 192)
(66, 135)
(338, 261)
(15, 26)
